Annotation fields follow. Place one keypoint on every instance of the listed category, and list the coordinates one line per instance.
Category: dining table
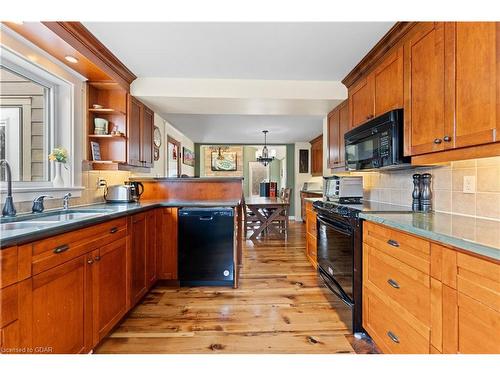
(268, 211)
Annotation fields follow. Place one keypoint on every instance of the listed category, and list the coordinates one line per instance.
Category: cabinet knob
(90, 261)
(437, 141)
(97, 258)
(447, 138)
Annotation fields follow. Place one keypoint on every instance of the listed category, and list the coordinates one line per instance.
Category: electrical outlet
(469, 184)
(101, 182)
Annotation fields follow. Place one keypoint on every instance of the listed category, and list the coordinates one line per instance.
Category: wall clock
(156, 143)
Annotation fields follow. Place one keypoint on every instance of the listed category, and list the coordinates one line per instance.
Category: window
(25, 125)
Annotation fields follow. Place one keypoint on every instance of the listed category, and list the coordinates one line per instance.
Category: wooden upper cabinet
(477, 87)
(109, 292)
(140, 134)
(317, 156)
(134, 132)
(57, 308)
(338, 125)
(344, 128)
(147, 137)
(333, 138)
(361, 102)
(388, 83)
(425, 89)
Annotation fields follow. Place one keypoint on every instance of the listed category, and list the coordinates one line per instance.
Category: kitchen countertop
(477, 236)
(110, 211)
(312, 192)
(186, 179)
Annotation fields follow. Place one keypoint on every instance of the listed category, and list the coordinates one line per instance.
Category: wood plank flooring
(280, 307)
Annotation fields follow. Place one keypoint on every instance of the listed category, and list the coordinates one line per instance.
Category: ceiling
(244, 50)
(247, 128)
(226, 82)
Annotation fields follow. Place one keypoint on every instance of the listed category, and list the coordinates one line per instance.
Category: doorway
(173, 157)
(257, 173)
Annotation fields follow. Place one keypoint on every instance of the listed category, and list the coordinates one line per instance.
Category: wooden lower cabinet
(109, 287)
(166, 225)
(138, 282)
(422, 297)
(68, 301)
(311, 235)
(56, 309)
(303, 196)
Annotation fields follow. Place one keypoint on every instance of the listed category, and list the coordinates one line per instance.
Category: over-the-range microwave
(377, 144)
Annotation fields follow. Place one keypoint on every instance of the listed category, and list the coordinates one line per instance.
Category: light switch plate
(469, 184)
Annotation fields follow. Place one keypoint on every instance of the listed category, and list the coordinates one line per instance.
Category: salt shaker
(416, 192)
(426, 195)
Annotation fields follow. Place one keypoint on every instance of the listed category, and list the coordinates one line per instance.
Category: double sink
(41, 220)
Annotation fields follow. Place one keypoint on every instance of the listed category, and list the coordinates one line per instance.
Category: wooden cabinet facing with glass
(317, 156)
(338, 125)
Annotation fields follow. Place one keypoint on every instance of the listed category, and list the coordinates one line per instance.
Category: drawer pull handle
(113, 230)
(393, 337)
(393, 243)
(393, 283)
(61, 249)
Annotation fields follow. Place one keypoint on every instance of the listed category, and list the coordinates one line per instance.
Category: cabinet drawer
(409, 249)
(478, 327)
(406, 285)
(392, 333)
(479, 279)
(56, 250)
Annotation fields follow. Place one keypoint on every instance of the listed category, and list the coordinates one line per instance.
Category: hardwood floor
(280, 307)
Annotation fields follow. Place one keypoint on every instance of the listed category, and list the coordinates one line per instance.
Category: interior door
(425, 95)
(477, 87)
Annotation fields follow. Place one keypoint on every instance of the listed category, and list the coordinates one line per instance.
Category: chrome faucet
(66, 201)
(38, 203)
(8, 207)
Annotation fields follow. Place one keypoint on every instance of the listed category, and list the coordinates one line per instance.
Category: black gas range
(339, 236)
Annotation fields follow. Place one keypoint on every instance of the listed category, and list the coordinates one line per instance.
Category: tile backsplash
(447, 187)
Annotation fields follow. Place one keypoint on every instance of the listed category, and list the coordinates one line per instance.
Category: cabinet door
(151, 244)
(424, 93)
(134, 132)
(56, 312)
(138, 285)
(361, 102)
(147, 137)
(388, 83)
(343, 128)
(333, 138)
(109, 292)
(167, 243)
(317, 156)
(477, 88)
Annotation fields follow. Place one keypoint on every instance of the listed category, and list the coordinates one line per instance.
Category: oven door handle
(341, 228)
(339, 293)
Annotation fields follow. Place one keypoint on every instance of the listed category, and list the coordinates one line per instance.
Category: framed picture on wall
(187, 156)
(224, 161)
(303, 161)
(96, 151)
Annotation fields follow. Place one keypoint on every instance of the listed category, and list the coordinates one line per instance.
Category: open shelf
(106, 111)
(106, 85)
(123, 137)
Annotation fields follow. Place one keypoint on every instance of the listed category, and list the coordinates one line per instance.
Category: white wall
(159, 167)
(185, 142)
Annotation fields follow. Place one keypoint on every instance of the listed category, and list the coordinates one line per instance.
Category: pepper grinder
(416, 192)
(426, 195)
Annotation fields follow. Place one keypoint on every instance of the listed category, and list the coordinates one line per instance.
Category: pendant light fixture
(265, 159)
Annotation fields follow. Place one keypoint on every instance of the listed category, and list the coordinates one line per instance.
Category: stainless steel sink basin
(20, 225)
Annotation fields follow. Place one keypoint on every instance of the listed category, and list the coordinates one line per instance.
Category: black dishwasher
(206, 246)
